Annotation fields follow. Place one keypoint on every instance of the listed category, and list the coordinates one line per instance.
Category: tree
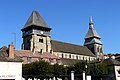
(41, 68)
(80, 67)
(59, 69)
(98, 69)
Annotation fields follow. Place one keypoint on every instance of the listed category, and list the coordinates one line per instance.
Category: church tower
(36, 34)
(92, 41)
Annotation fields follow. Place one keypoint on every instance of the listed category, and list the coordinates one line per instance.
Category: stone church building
(36, 38)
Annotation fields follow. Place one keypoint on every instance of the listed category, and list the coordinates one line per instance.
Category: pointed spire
(91, 19)
(91, 25)
(36, 20)
(91, 32)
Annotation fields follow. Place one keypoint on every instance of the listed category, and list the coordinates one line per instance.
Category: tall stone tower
(92, 41)
(36, 34)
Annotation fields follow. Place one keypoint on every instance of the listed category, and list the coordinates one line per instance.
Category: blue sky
(69, 20)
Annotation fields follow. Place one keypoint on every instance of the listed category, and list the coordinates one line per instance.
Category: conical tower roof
(36, 20)
(91, 32)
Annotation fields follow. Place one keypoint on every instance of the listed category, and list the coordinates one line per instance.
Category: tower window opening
(41, 40)
(40, 52)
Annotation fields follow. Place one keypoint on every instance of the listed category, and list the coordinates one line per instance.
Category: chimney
(11, 50)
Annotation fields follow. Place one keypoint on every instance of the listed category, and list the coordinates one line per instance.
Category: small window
(40, 52)
(40, 59)
(83, 58)
(70, 56)
(62, 56)
(51, 61)
(41, 40)
(76, 57)
(58, 61)
(80, 57)
(29, 59)
(65, 55)
(73, 56)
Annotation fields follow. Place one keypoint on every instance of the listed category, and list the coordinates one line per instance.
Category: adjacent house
(10, 64)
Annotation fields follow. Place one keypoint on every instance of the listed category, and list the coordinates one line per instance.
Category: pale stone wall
(11, 70)
(38, 45)
(73, 56)
(98, 50)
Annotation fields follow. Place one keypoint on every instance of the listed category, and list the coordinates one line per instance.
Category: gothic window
(41, 40)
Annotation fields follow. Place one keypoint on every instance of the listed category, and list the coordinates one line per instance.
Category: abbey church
(37, 40)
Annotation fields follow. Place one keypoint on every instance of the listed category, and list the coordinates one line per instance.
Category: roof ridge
(68, 43)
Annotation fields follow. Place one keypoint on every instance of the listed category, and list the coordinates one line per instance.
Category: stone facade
(74, 56)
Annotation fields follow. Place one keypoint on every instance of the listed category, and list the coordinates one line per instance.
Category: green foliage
(43, 68)
(80, 67)
(59, 69)
(36, 68)
(98, 69)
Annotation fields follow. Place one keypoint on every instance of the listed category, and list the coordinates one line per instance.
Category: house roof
(35, 19)
(4, 57)
(28, 53)
(48, 55)
(58, 46)
(91, 32)
(111, 61)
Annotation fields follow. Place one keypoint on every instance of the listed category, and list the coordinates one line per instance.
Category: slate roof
(92, 41)
(111, 61)
(35, 19)
(4, 57)
(91, 32)
(58, 46)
